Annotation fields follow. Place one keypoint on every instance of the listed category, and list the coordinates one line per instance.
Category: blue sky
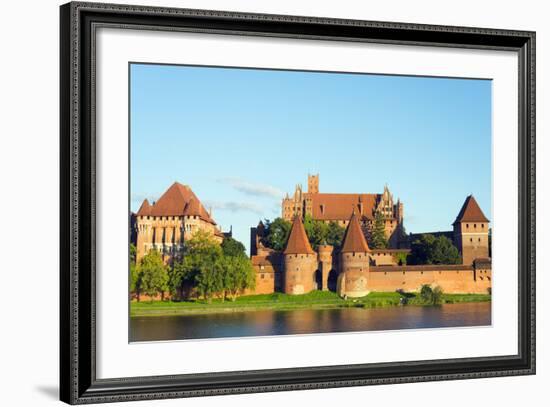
(241, 138)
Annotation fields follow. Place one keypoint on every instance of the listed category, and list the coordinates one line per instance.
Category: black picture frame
(78, 382)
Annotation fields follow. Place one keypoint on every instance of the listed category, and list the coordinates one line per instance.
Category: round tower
(325, 260)
(300, 261)
(354, 262)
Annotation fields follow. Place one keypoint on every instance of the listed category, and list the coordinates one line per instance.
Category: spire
(354, 239)
(297, 242)
(144, 209)
(470, 212)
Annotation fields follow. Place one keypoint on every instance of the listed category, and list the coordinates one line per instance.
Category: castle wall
(453, 279)
(269, 274)
(386, 257)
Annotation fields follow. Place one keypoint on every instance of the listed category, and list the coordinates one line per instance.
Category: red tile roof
(338, 206)
(144, 209)
(354, 239)
(297, 242)
(178, 200)
(470, 212)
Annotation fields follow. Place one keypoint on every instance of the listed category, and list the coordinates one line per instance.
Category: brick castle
(353, 270)
(169, 222)
(337, 207)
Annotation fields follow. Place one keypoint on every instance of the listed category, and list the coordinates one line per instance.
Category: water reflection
(260, 323)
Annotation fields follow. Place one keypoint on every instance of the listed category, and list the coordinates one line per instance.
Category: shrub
(431, 296)
(437, 295)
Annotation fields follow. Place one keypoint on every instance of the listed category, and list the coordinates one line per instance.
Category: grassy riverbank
(280, 301)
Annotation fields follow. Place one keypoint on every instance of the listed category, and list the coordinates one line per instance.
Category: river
(270, 322)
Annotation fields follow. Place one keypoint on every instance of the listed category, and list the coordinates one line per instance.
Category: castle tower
(300, 261)
(354, 271)
(325, 260)
(313, 184)
(144, 230)
(256, 235)
(471, 232)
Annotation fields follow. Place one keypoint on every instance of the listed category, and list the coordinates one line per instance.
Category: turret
(354, 263)
(144, 230)
(325, 263)
(300, 261)
(471, 232)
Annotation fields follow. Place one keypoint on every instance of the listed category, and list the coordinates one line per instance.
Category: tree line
(427, 249)
(207, 269)
(320, 232)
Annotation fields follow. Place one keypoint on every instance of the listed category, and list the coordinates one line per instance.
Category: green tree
(378, 237)
(429, 249)
(316, 231)
(200, 254)
(154, 276)
(133, 253)
(210, 277)
(232, 247)
(212, 268)
(276, 233)
(400, 258)
(335, 234)
(135, 275)
(135, 280)
(181, 276)
(238, 274)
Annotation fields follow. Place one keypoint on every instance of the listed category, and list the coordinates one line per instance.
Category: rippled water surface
(269, 322)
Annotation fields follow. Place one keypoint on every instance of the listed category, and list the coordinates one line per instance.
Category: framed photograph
(255, 203)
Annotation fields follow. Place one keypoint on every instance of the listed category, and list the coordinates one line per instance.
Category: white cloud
(234, 206)
(253, 189)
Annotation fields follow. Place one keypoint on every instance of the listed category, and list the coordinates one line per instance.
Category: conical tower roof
(144, 209)
(470, 212)
(354, 239)
(297, 242)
